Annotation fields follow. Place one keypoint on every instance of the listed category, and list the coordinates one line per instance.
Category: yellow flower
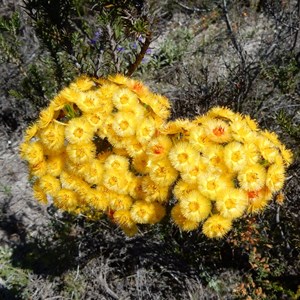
(199, 139)
(123, 218)
(182, 155)
(53, 137)
(89, 101)
(66, 200)
(30, 132)
(183, 188)
(95, 119)
(218, 131)
(156, 105)
(182, 222)
(234, 156)
(38, 169)
(116, 163)
(58, 102)
(154, 192)
(221, 112)
(119, 79)
(216, 226)
(120, 202)
(162, 172)
(232, 203)
(267, 149)
(140, 163)
(39, 194)
(130, 231)
(258, 200)
(213, 158)
(195, 206)
(252, 177)
(55, 164)
(124, 123)
(71, 95)
(182, 126)
(275, 177)
(143, 212)
(196, 168)
(81, 153)
(95, 198)
(146, 130)
(32, 152)
(286, 154)
(49, 184)
(136, 188)
(159, 147)
(78, 130)
(92, 172)
(116, 183)
(251, 123)
(83, 83)
(251, 153)
(46, 116)
(125, 100)
(134, 147)
(212, 185)
(240, 130)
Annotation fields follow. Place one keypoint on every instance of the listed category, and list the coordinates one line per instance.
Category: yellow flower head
(83, 83)
(240, 130)
(286, 154)
(89, 102)
(32, 152)
(179, 126)
(258, 200)
(183, 188)
(212, 185)
(95, 119)
(140, 163)
(267, 149)
(66, 200)
(157, 105)
(232, 204)
(234, 156)
(124, 123)
(252, 153)
(49, 184)
(130, 231)
(134, 147)
(116, 163)
(95, 198)
(46, 116)
(159, 147)
(154, 192)
(213, 158)
(53, 137)
(125, 100)
(182, 155)
(143, 212)
(92, 172)
(191, 173)
(55, 164)
(195, 206)
(81, 153)
(199, 139)
(183, 223)
(252, 177)
(216, 226)
(116, 183)
(217, 131)
(162, 172)
(30, 132)
(146, 130)
(275, 177)
(136, 188)
(120, 202)
(39, 169)
(123, 218)
(221, 113)
(78, 130)
(39, 194)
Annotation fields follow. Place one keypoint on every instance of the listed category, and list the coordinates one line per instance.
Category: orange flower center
(218, 131)
(158, 149)
(252, 194)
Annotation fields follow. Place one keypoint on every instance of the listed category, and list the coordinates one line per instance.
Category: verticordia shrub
(105, 146)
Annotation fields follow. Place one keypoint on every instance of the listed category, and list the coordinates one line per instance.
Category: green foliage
(14, 279)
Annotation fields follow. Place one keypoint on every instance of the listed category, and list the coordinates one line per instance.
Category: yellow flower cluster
(105, 146)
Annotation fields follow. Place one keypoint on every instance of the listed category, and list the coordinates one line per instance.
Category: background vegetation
(241, 54)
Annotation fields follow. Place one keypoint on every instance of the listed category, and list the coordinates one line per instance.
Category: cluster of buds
(106, 147)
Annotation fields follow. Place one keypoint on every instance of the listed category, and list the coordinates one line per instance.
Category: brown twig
(139, 57)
